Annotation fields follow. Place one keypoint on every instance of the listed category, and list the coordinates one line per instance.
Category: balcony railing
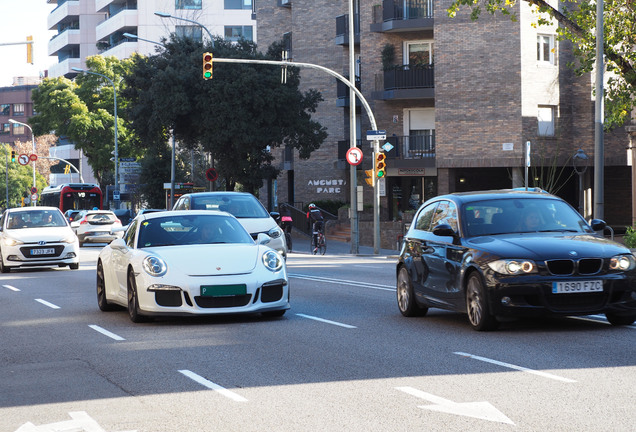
(342, 92)
(342, 25)
(406, 9)
(412, 147)
(409, 77)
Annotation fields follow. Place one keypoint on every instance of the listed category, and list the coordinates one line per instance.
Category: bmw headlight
(10, 241)
(275, 232)
(272, 260)
(622, 263)
(155, 266)
(513, 267)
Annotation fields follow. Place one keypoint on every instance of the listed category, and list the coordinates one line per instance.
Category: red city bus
(77, 196)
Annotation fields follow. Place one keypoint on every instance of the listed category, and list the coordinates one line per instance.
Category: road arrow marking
(479, 410)
(81, 422)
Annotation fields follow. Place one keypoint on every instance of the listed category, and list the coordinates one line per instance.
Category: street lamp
(172, 164)
(116, 191)
(33, 140)
(579, 162)
(167, 15)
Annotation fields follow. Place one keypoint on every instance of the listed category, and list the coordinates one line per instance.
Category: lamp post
(116, 191)
(33, 140)
(579, 162)
(167, 15)
(172, 161)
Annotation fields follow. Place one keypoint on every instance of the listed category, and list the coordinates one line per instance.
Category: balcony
(402, 15)
(67, 11)
(126, 21)
(64, 67)
(62, 41)
(342, 92)
(342, 29)
(406, 82)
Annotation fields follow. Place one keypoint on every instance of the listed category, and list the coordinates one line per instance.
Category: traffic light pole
(365, 104)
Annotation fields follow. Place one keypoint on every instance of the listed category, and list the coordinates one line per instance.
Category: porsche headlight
(272, 260)
(513, 267)
(275, 232)
(10, 241)
(155, 266)
(622, 262)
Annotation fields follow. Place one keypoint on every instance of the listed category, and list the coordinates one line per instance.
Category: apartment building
(459, 100)
(90, 27)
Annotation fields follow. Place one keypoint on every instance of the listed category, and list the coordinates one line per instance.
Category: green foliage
(630, 238)
(577, 23)
(20, 179)
(236, 116)
(388, 56)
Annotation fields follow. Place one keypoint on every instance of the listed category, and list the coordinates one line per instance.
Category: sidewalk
(300, 245)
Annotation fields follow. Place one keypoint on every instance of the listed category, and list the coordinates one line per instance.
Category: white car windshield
(190, 230)
(35, 219)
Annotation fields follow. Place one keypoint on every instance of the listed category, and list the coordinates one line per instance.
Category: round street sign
(34, 189)
(354, 156)
(34, 197)
(33, 157)
(211, 174)
(23, 159)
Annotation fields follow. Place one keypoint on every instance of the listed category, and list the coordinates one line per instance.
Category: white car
(97, 226)
(36, 236)
(242, 205)
(191, 263)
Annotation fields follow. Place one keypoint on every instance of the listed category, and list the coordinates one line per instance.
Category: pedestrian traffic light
(380, 165)
(369, 178)
(12, 155)
(207, 65)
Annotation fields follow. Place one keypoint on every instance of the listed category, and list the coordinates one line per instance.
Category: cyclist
(315, 216)
(286, 225)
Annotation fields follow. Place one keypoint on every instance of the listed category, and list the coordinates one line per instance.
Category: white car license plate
(577, 287)
(47, 251)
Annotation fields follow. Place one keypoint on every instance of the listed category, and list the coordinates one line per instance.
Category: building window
(6, 129)
(234, 33)
(189, 32)
(18, 109)
(187, 4)
(18, 129)
(4, 109)
(238, 4)
(545, 118)
(418, 53)
(545, 49)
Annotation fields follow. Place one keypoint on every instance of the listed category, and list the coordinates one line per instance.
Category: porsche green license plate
(223, 290)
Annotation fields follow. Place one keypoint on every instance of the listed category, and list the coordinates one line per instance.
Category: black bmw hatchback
(496, 254)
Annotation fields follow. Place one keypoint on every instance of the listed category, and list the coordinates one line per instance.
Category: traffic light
(380, 165)
(207, 65)
(369, 178)
(12, 155)
(29, 49)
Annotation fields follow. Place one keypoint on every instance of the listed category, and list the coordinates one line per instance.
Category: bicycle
(322, 244)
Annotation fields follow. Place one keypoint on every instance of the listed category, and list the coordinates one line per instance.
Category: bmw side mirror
(444, 230)
(598, 224)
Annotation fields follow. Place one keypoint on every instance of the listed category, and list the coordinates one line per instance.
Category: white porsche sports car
(191, 263)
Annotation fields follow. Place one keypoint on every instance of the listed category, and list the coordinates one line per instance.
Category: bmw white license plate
(577, 287)
(47, 251)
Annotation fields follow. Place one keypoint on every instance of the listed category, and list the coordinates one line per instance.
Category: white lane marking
(45, 303)
(599, 319)
(343, 282)
(209, 384)
(326, 321)
(81, 422)
(106, 332)
(519, 368)
(12, 288)
(481, 410)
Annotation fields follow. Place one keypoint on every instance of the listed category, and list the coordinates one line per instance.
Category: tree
(237, 117)
(83, 111)
(20, 178)
(577, 24)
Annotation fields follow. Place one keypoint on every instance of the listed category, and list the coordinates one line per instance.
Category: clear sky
(19, 19)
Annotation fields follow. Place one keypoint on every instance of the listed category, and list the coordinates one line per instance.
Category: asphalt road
(342, 359)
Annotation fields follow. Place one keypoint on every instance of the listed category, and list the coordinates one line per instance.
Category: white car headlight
(513, 267)
(272, 260)
(622, 262)
(69, 239)
(9, 241)
(155, 266)
(275, 232)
